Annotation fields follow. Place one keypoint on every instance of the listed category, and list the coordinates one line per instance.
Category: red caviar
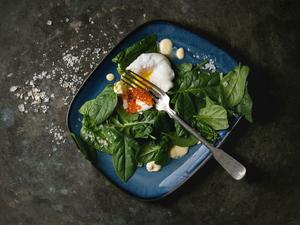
(134, 94)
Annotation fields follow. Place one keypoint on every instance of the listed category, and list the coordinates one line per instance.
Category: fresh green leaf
(186, 110)
(99, 109)
(126, 116)
(183, 68)
(213, 115)
(85, 149)
(209, 102)
(148, 152)
(198, 83)
(182, 141)
(206, 131)
(215, 93)
(100, 137)
(124, 156)
(157, 152)
(128, 55)
(233, 85)
(244, 108)
(87, 106)
(163, 155)
(137, 125)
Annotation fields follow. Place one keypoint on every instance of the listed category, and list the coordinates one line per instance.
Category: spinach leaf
(157, 152)
(182, 141)
(215, 93)
(209, 102)
(99, 109)
(233, 85)
(137, 125)
(213, 115)
(196, 81)
(148, 152)
(128, 55)
(186, 110)
(126, 116)
(87, 106)
(181, 69)
(163, 155)
(124, 155)
(244, 108)
(85, 149)
(100, 137)
(206, 131)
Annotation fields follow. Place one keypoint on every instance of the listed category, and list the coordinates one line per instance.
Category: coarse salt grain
(57, 133)
(21, 107)
(49, 22)
(91, 20)
(13, 88)
(210, 65)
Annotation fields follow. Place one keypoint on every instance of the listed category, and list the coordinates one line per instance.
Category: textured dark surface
(45, 183)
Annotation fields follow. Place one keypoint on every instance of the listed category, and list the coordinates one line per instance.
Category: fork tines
(134, 80)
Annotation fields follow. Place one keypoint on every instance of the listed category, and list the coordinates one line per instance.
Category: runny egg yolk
(132, 95)
(146, 73)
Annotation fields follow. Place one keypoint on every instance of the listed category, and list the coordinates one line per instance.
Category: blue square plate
(142, 184)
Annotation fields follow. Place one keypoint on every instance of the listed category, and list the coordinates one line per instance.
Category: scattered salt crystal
(210, 66)
(70, 60)
(67, 19)
(21, 107)
(91, 20)
(13, 88)
(49, 22)
(9, 75)
(44, 108)
(57, 133)
(97, 50)
(68, 74)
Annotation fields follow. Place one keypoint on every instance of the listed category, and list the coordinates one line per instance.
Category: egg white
(156, 68)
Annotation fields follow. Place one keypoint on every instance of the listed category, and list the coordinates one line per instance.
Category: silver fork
(232, 166)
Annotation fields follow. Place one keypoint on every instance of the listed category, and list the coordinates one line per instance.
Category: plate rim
(185, 27)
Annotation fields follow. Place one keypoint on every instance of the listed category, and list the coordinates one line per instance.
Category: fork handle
(232, 166)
